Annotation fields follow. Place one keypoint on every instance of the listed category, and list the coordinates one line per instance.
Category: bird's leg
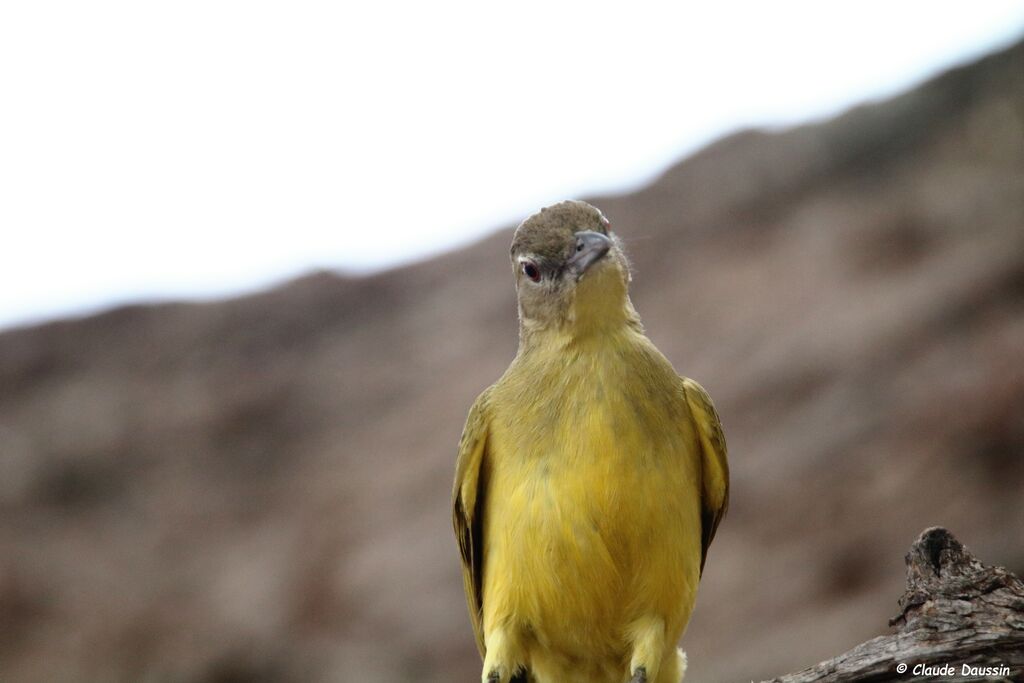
(648, 636)
(500, 664)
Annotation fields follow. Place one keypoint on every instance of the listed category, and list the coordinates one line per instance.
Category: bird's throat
(600, 306)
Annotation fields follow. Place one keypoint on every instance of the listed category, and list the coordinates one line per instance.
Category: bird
(590, 479)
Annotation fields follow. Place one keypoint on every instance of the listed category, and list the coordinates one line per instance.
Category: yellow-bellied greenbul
(591, 477)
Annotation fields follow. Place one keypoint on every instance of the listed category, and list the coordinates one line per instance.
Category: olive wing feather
(467, 503)
(714, 463)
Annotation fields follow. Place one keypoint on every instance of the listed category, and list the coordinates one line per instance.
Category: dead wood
(959, 620)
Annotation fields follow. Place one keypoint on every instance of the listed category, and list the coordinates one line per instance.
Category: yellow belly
(591, 523)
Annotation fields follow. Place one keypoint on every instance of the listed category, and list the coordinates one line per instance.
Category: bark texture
(956, 611)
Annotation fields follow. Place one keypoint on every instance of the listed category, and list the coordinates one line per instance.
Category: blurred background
(255, 272)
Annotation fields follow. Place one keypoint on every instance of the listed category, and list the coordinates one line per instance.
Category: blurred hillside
(257, 489)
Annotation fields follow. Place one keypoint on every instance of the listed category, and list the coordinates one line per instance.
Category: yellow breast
(592, 517)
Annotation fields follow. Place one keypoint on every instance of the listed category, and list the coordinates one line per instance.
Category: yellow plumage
(590, 480)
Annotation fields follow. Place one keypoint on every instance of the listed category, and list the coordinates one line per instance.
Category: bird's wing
(714, 498)
(467, 503)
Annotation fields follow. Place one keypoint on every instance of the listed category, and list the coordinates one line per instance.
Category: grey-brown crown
(550, 233)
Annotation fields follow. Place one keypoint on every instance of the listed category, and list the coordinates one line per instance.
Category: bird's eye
(531, 271)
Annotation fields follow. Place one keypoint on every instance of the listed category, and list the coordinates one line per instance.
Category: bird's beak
(590, 248)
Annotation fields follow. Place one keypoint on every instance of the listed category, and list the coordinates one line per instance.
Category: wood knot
(937, 565)
(943, 577)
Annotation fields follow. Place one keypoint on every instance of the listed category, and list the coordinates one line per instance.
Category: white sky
(154, 150)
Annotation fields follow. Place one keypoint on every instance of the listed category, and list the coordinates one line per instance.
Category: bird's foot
(639, 676)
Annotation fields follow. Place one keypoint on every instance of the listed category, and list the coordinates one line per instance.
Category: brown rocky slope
(257, 489)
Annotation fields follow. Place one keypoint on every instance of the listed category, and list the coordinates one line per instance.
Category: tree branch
(956, 611)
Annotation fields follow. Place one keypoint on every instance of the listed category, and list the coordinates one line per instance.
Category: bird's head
(571, 273)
